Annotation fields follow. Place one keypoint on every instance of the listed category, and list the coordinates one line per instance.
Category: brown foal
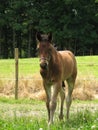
(55, 68)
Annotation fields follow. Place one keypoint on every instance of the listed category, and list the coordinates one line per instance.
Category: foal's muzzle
(43, 63)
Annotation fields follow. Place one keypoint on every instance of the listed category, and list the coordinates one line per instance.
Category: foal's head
(44, 49)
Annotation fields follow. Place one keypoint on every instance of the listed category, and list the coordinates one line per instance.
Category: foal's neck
(53, 55)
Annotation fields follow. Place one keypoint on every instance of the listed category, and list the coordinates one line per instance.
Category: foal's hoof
(50, 123)
(61, 117)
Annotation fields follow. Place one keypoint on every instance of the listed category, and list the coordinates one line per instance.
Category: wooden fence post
(16, 73)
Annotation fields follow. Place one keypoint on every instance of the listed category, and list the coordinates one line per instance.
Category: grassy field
(87, 66)
(27, 114)
(26, 67)
(31, 115)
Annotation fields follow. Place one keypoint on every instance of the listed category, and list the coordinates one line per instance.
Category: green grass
(24, 114)
(14, 115)
(87, 66)
(27, 67)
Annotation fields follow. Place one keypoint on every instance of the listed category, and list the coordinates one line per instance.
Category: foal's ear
(38, 36)
(50, 37)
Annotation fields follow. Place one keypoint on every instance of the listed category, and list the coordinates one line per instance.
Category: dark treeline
(74, 24)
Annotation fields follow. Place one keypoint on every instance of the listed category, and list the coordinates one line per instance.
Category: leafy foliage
(74, 24)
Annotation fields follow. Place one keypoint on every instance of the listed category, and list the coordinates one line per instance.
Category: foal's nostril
(43, 65)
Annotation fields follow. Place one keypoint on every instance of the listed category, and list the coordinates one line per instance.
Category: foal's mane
(53, 53)
(54, 71)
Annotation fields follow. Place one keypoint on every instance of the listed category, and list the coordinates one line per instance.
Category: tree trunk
(34, 43)
(75, 46)
(30, 40)
(0, 44)
(5, 46)
(13, 43)
(19, 44)
(14, 39)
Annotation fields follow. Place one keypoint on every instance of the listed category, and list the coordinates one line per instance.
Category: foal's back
(68, 64)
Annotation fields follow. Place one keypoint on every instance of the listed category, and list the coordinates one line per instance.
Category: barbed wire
(30, 74)
(83, 79)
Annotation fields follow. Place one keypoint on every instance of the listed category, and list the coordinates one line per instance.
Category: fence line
(17, 78)
(88, 79)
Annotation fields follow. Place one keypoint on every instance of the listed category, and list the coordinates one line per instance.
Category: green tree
(74, 24)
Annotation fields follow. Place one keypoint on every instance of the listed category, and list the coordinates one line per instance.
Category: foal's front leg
(48, 96)
(53, 102)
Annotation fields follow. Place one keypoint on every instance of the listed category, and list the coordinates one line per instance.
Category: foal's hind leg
(62, 95)
(69, 95)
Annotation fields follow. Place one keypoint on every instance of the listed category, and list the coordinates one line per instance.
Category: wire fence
(26, 69)
(30, 66)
